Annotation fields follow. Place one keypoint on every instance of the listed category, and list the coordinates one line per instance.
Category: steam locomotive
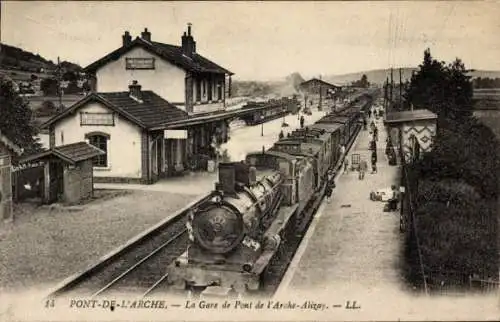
(260, 204)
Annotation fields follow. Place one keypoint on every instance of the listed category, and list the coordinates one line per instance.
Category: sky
(267, 40)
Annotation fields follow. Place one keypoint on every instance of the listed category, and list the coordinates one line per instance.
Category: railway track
(136, 268)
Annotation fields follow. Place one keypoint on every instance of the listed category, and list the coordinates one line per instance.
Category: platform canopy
(69, 153)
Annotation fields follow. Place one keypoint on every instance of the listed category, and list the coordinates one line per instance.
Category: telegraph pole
(386, 85)
(392, 86)
(400, 89)
(320, 94)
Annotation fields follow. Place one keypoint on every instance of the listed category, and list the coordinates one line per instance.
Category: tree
(364, 81)
(49, 86)
(48, 108)
(70, 76)
(445, 90)
(16, 119)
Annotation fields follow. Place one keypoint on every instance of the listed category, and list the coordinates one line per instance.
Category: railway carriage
(334, 130)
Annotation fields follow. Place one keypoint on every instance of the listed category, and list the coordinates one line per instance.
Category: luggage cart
(355, 159)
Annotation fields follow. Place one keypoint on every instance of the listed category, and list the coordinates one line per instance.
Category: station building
(155, 110)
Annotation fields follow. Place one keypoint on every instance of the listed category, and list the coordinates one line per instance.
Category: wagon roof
(329, 127)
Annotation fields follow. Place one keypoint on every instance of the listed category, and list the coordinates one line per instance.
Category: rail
(136, 265)
(137, 240)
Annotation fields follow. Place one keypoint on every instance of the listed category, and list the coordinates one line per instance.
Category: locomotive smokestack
(227, 178)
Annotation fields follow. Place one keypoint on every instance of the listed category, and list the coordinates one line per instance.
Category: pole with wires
(400, 89)
(392, 87)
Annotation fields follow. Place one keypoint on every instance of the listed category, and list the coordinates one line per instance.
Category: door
(56, 181)
(5, 189)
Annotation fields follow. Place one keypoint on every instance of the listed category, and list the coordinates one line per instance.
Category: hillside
(379, 76)
(19, 59)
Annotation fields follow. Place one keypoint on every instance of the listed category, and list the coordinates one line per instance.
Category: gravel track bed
(113, 269)
(46, 245)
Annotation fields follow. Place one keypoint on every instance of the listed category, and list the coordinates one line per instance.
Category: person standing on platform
(329, 190)
(363, 167)
(375, 134)
(302, 120)
(374, 162)
(281, 135)
(346, 165)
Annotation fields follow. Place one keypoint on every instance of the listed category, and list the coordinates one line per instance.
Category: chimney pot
(188, 43)
(126, 39)
(135, 91)
(146, 35)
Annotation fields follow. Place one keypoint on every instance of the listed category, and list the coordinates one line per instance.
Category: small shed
(412, 131)
(7, 150)
(68, 172)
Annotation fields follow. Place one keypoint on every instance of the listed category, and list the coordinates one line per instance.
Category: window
(139, 63)
(219, 91)
(97, 119)
(99, 141)
(210, 89)
(198, 90)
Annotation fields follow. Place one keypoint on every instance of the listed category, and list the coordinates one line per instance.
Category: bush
(465, 150)
(457, 229)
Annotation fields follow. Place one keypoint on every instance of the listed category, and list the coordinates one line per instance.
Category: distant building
(178, 74)
(318, 92)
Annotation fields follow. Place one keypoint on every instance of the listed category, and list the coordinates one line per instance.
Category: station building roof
(69, 153)
(151, 111)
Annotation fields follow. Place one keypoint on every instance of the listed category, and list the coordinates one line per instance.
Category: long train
(260, 204)
(271, 109)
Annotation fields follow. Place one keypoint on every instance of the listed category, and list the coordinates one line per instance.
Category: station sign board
(175, 134)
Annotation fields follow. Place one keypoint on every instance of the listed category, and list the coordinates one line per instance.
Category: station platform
(351, 243)
(351, 259)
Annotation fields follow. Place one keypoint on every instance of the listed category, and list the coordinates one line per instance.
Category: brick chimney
(135, 91)
(188, 43)
(146, 35)
(126, 38)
